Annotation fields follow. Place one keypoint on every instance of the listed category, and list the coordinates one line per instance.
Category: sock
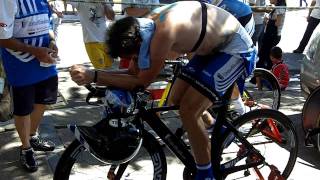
(204, 172)
(34, 135)
(238, 105)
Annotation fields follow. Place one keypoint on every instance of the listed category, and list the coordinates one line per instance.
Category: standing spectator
(56, 16)
(305, 2)
(272, 33)
(279, 68)
(313, 21)
(93, 18)
(27, 49)
(258, 16)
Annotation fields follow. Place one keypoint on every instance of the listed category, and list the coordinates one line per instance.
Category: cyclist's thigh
(177, 91)
(194, 102)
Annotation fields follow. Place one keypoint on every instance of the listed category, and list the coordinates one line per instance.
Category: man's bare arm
(41, 53)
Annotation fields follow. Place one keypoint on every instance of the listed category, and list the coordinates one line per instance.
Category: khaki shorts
(98, 56)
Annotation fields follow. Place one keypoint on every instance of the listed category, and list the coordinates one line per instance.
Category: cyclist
(224, 53)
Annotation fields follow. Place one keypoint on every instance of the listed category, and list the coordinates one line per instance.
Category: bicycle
(268, 95)
(242, 146)
(311, 120)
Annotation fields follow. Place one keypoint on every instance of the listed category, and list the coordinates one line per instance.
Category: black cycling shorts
(43, 92)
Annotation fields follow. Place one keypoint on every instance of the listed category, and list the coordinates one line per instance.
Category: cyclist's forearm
(123, 81)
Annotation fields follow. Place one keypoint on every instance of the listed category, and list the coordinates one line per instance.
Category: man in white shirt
(313, 21)
(93, 17)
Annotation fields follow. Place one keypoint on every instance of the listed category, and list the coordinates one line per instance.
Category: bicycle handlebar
(99, 91)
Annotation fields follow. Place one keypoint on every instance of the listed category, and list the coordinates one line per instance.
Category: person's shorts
(98, 56)
(212, 75)
(43, 92)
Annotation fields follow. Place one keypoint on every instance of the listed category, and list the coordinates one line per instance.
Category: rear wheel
(271, 133)
(264, 92)
(77, 163)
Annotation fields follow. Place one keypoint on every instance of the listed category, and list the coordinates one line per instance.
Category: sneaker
(27, 160)
(41, 144)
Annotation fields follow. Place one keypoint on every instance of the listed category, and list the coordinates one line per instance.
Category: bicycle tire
(288, 143)
(268, 96)
(153, 149)
(311, 115)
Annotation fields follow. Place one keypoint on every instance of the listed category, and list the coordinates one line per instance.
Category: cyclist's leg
(192, 105)
(177, 91)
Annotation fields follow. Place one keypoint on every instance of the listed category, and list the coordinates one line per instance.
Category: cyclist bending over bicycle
(224, 53)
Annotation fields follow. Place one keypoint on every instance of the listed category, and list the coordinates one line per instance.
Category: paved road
(72, 52)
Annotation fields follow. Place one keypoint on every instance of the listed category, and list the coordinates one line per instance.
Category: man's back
(184, 28)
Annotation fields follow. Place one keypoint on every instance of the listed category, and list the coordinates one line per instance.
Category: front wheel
(77, 163)
(271, 134)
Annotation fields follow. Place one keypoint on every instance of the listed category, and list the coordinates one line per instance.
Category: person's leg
(23, 98)
(257, 34)
(312, 24)
(36, 117)
(46, 93)
(177, 91)
(23, 125)
(97, 55)
(192, 105)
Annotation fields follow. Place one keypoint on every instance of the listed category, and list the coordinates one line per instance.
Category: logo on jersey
(3, 24)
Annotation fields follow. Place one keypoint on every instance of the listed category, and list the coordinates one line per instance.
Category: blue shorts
(212, 75)
(43, 92)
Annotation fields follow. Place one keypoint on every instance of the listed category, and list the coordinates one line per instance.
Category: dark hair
(124, 37)
(276, 52)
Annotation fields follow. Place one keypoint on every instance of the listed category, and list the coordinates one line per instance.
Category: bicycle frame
(175, 144)
(180, 149)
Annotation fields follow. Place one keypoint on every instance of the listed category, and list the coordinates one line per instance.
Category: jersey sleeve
(8, 10)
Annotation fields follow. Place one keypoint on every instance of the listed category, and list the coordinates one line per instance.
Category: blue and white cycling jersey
(27, 21)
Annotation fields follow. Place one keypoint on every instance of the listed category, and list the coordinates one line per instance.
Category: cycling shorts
(98, 56)
(213, 74)
(43, 92)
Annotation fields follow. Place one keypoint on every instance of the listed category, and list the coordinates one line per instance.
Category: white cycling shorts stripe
(229, 80)
(31, 8)
(31, 26)
(229, 73)
(250, 27)
(34, 5)
(23, 7)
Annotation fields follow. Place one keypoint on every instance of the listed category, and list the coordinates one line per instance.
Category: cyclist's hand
(43, 54)
(81, 75)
